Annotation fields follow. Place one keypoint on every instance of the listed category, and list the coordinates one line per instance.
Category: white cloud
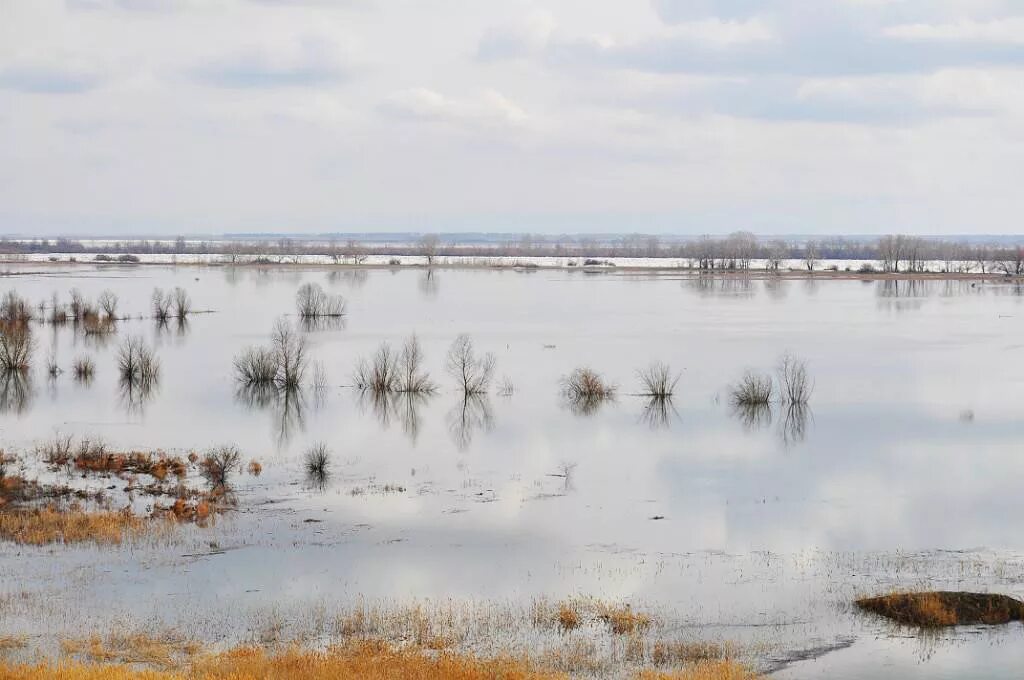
(1008, 30)
(489, 108)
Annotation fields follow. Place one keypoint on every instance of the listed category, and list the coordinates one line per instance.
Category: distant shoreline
(519, 264)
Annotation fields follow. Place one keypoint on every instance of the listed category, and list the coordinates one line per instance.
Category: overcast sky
(671, 116)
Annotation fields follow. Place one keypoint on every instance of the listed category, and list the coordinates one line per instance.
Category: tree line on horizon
(736, 251)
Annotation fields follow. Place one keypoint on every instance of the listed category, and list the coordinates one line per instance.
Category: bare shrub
(83, 368)
(507, 388)
(14, 308)
(585, 390)
(380, 374)
(752, 390)
(16, 346)
(182, 304)
(137, 363)
(292, 355)
(52, 367)
(317, 461)
(584, 383)
(256, 366)
(219, 463)
(473, 373)
(794, 380)
(314, 303)
(657, 380)
(161, 303)
(77, 305)
(56, 451)
(108, 304)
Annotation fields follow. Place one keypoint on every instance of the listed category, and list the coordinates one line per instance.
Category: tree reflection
(136, 392)
(429, 283)
(288, 407)
(794, 422)
(752, 415)
(16, 392)
(403, 407)
(470, 414)
(658, 412)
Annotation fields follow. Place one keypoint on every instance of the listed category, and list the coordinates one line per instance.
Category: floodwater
(756, 527)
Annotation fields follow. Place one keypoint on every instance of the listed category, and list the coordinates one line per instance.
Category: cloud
(305, 62)
(516, 40)
(46, 79)
(1008, 30)
(489, 109)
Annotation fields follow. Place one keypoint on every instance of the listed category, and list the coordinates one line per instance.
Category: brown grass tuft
(49, 525)
(622, 620)
(942, 608)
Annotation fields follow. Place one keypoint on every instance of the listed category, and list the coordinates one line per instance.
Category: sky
(128, 117)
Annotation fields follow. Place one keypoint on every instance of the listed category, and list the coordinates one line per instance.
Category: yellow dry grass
(355, 660)
(705, 670)
(166, 651)
(48, 525)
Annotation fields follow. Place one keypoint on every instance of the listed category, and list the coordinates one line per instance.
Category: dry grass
(568, 616)
(622, 620)
(43, 526)
(10, 643)
(356, 660)
(164, 651)
(705, 670)
(940, 609)
(686, 652)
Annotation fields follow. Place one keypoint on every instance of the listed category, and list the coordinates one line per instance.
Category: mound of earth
(945, 608)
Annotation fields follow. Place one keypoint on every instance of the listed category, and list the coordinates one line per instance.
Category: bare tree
(776, 251)
(428, 245)
(292, 355)
(810, 254)
(412, 377)
(108, 303)
(473, 373)
(379, 375)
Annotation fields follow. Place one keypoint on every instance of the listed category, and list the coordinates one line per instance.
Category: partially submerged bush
(313, 303)
(83, 368)
(182, 304)
(219, 463)
(794, 381)
(389, 371)
(161, 303)
(472, 373)
(16, 346)
(137, 363)
(14, 308)
(585, 390)
(753, 389)
(317, 464)
(256, 366)
(657, 380)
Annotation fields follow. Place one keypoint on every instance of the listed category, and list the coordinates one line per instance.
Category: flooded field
(753, 526)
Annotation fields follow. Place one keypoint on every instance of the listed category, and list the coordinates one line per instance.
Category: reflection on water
(659, 412)
(768, 515)
(753, 416)
(136, 392)
(468, 416)
(15, 392)
(429, 283)
(389, 407)
(793, 423)
(287, 406)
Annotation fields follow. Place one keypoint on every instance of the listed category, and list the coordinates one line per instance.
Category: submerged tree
(472, 373)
